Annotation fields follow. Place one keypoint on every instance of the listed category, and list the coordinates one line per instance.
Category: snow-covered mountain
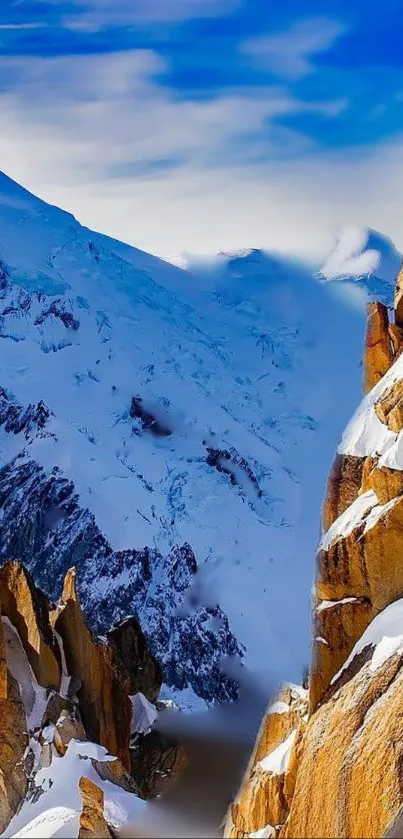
(367, 262)
(169, 432)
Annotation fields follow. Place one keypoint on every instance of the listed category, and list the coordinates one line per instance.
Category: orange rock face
(66, 729)
(349, 780)
(104, 694)
(337, 628)
(386, 483)
(28, 610)
(13, 744)
(343, 486)
(3, 665)
(353, 566)
(265, 795)
(396, 336)
(378, 355)
(92, 819)
(133, 658)
(389, 408)
(40, 643)
(399, 299)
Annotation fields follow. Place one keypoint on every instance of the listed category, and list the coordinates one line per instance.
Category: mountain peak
(242, 253)
(11, 191)
(363, 266)
(362, 252)
(14, 197)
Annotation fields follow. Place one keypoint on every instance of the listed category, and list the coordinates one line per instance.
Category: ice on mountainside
(207, 532)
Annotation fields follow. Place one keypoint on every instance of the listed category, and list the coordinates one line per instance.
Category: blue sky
(195, 125)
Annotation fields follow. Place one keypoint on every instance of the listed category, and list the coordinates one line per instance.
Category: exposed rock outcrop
(396, 336)
(3, 664)
(359, 572)
(349, 778)
(67, 728)
(362, 519)
(385, 482)
(268, 785)
(57, 309)
(337, 627)
(62, 688)
(132, 656)
(389, 408)
(378, 356)
(92, 819)
(28, 610)
(13, 745)
(231, 463)
(104, 693)
(398, 303)
(343, 486)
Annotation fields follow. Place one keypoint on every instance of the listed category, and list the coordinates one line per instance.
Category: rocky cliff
(335, 768)
(74, 710)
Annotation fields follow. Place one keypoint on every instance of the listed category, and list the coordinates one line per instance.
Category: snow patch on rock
(384, 634)
(58, 807)
(277, 761)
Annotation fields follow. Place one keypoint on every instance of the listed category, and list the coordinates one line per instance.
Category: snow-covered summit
(365, 257)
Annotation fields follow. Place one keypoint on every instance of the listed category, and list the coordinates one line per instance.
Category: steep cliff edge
(359, 569)
(338, 770)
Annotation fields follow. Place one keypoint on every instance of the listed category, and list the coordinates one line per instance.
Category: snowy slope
(56, 810)
(367, 262)
(187, 426)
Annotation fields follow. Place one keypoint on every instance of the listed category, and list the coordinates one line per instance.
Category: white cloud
(93, 15)
(9, 27)
(289, 54)
(64, 148)
(105, 111)
(295, 208)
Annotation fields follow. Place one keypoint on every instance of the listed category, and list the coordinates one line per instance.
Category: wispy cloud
(109, 110)
(10, 27)
(290, 53)
(94, 15)
(102, 136)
